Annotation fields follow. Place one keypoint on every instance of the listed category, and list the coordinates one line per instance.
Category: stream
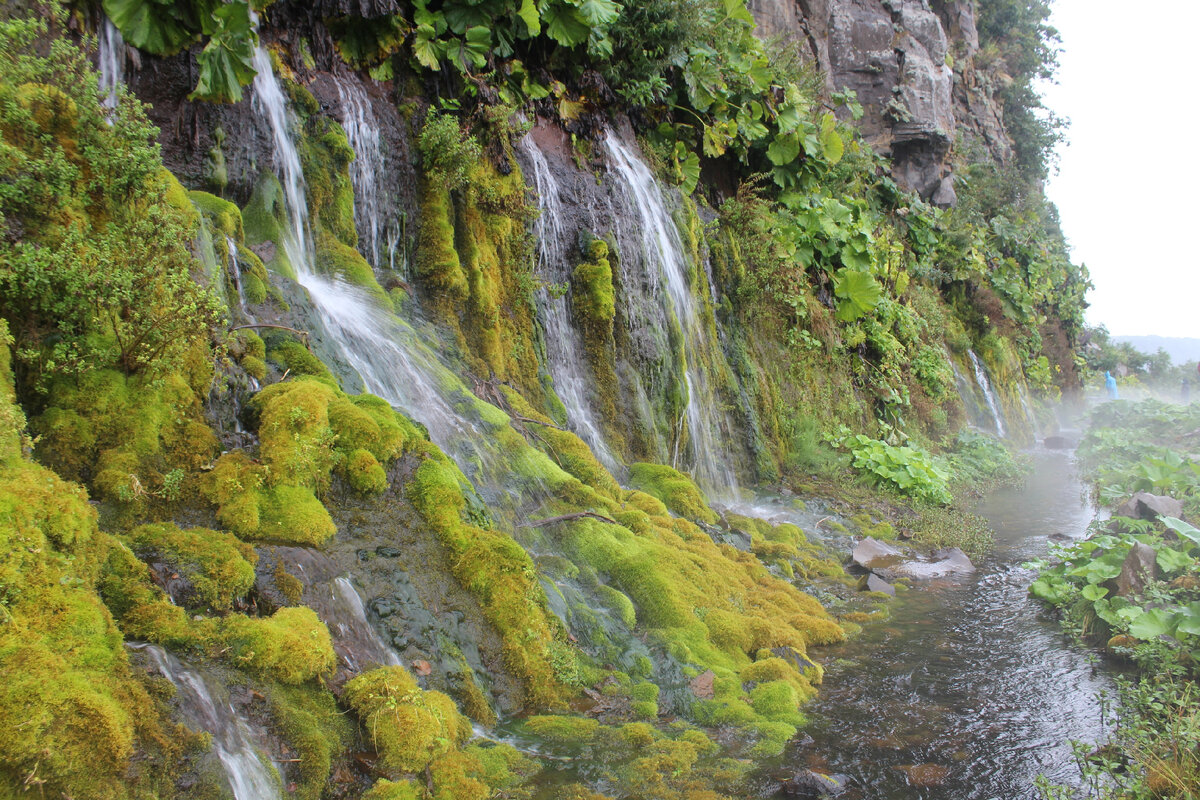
(969, 690)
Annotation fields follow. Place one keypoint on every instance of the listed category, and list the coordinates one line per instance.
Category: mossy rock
(216, 566)
(223, 216)
(563, 730)
(292, 645)
(676, 490)
(408, 726)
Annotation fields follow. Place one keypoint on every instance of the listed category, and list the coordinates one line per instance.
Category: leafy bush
(447, 153)
(908, 470)
(94, 266)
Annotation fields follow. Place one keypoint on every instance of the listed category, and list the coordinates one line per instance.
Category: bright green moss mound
(308, 431)
(592, 297)
(292, 645)
(408, 726)
(676, 490)
(340, 260)
(136, 439)
(562, 729)
(224, 216)
(218, 566)
(265, 219)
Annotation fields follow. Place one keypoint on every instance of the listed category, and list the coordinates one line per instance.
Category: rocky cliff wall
(913, 66)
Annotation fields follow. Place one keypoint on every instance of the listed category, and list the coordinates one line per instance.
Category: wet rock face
(897, 56)
(1144, 505)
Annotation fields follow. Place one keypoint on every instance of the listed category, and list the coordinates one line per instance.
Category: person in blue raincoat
(1110, 383)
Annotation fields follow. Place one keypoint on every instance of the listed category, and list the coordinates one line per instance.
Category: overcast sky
(1128, 189)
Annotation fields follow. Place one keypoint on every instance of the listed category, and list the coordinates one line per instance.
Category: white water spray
(111, 59)
(205, 706)
(708, 429)
(564, 347)
(373, 202)
(985, 385)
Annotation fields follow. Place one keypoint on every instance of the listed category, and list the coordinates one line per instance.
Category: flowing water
(985, 386)
(708, 427)
(203, 702)
(564, 347)
(970, 682)
(378, 231)
(111, 60)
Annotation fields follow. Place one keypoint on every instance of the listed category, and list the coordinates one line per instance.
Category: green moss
(619, 602)
(222, 215)
(437, 263)
(315, 727)
(218, 566)
(364, 473)
(292, 645)
(383, 789)
(265, 219)
(674, 489)
(292, 515)
(408, 726)
(297, 359)
(498, 572)
(562, 729)
(592, 298)
(340, 260)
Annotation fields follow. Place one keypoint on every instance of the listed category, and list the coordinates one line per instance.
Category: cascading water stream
(564, 348)
(111, 58)
(385, 351)
(985, 385)
(379, 234)
(204, 704)
(708, 429)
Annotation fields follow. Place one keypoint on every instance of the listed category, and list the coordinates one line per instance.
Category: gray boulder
(1144, 505)
(812, 784)
(878, 584)
(1138, 569)
(871, 552)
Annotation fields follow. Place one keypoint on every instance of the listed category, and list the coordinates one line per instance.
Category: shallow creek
(969, 690)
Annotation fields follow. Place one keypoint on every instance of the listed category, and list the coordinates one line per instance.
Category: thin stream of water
(969, 682)
(985, 385)
(708, 428)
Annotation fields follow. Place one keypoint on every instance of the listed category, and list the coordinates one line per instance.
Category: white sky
(1128, 190)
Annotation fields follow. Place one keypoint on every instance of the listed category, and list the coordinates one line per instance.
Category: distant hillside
(1181, 350)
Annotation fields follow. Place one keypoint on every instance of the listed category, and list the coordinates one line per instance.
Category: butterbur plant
(908, 470)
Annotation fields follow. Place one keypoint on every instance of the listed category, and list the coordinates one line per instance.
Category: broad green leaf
(736, 9)
(564, 24)
(784, 149)
(831, 141)
(688, 164)
(1187, 620)
(426, 49)
(858, 292)
(1172, 560)
(1150, 624)
(1092, 592)
(528, 14)
(158, 28)
(1182, 528)
(598, 13)
(223, 71)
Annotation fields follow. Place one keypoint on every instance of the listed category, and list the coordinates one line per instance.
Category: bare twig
(541, 523)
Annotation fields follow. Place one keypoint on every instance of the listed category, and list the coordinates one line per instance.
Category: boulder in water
(871, 552)
(1144, 505)
(878, 584)
(1138, 569)
(812, 784)
(1057, 443)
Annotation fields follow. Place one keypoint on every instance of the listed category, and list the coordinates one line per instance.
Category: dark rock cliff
(913, 65)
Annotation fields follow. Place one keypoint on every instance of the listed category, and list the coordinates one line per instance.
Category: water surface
(969, 681)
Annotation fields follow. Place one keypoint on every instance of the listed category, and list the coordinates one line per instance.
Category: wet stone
(1138, 569)
(878, 584)
(871, 552)
(1144, 505)
(812, 784)
(388, 552)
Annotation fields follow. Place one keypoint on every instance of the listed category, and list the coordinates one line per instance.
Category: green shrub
(908, 470)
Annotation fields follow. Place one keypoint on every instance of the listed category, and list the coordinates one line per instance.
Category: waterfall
(204, 704)
(377, 229)
(235, 269)
(111, 62)
(348, 621)
(981, 378)
(662, 248)
(1030, 415)
(385, 351)
(269, 100)
(564, 347)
